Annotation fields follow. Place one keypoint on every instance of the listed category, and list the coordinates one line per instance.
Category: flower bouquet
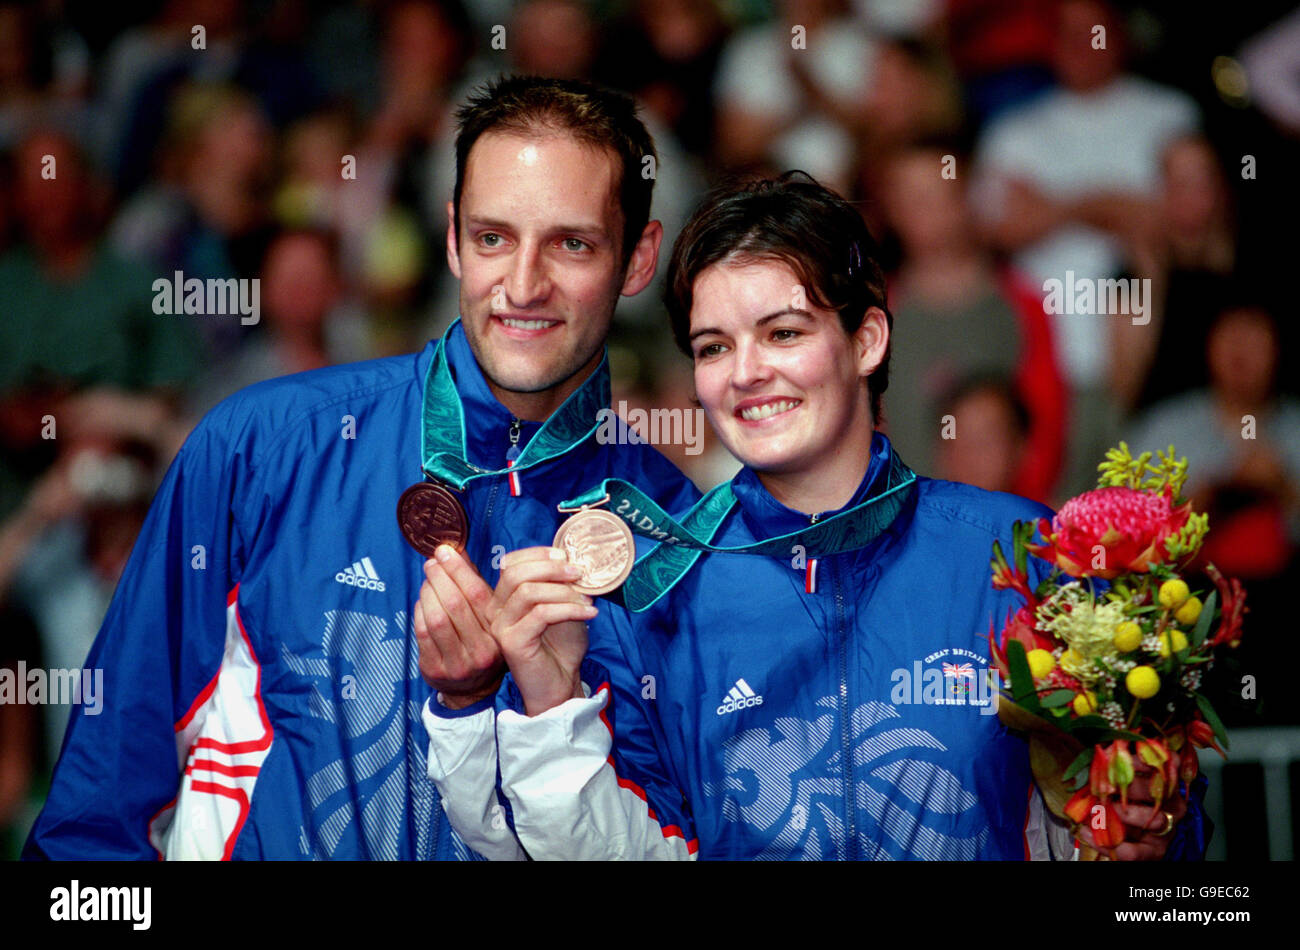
(1106, 657)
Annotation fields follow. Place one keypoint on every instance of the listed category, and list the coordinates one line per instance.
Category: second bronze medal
(601, 545)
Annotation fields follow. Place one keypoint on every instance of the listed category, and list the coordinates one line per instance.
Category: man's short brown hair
(589, 113)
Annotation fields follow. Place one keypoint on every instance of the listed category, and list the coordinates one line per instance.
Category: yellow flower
(1128, 637)
(1179, 640)
(1080, 667)
(1173, 594)
(1188, 612)
(1143, 682)
(1041, 663)
(1085, 702)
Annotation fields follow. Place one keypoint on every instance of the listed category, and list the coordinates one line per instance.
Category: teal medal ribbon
(682, 542)
(442, 429)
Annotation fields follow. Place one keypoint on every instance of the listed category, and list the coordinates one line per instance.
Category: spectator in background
(207, 215)
(555, 38)
(313, 194)
(1272, 64)
(1242, 442)
(1189, 254)
(988, 441)
(666, 52)
(21, 760)
(912, 100)
(258, 58)
(1243, 445)
(43, 75)
(79, 317)
(399, 187)
(311, 191)
(1066, 181)
(307, 322)
(1001, 51)
(63, 551)
(958, 316)
(786, 106)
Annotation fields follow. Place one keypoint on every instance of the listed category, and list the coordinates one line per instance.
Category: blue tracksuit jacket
(261, 688)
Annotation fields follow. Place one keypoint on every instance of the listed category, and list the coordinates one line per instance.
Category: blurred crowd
(992, 145)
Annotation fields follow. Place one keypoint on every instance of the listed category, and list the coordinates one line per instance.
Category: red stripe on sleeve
(669, 831)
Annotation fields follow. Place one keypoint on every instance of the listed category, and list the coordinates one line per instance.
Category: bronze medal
(601, 544)
(430, 515)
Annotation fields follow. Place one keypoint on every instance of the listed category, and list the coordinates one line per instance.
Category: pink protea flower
(1111, 531)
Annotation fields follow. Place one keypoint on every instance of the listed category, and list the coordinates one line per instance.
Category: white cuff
(463, 766)
(567, 800)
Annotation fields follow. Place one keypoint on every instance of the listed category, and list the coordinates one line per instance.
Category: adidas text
(360, 574)
(740, 696)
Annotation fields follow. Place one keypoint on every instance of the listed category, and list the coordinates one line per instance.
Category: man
(261, 688)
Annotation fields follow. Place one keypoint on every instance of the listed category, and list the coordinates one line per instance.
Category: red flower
(1202, 736)
(1019, 626)
(1232, 603)
(1111, 832)
(1011, 577)
(1111, 531)
(1079, 807)
(1099, 774)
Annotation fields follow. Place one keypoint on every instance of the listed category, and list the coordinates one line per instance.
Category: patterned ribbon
(682, 542)
(442, 432)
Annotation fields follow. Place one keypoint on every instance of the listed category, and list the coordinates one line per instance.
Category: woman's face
(784, 386)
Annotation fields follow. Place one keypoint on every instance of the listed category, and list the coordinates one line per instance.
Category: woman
(822, 696)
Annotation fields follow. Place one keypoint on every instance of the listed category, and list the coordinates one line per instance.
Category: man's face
(539, 258)
(1081, 65)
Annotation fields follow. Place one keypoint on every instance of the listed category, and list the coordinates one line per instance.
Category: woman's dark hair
(792, 219)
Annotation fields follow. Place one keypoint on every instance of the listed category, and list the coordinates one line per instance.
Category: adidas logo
(360, 574)
(740, 697)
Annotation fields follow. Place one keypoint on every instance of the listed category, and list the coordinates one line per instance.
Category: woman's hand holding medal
(540, 625)
(535, 622)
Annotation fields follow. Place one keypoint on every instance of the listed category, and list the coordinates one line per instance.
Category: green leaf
(1202, 628)
(1207, 710)
(1022, 681)
(1058, 697)
(1080, 764)
(1091, 721)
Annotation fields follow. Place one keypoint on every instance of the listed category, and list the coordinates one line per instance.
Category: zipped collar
(488, 424)
(764, 516)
